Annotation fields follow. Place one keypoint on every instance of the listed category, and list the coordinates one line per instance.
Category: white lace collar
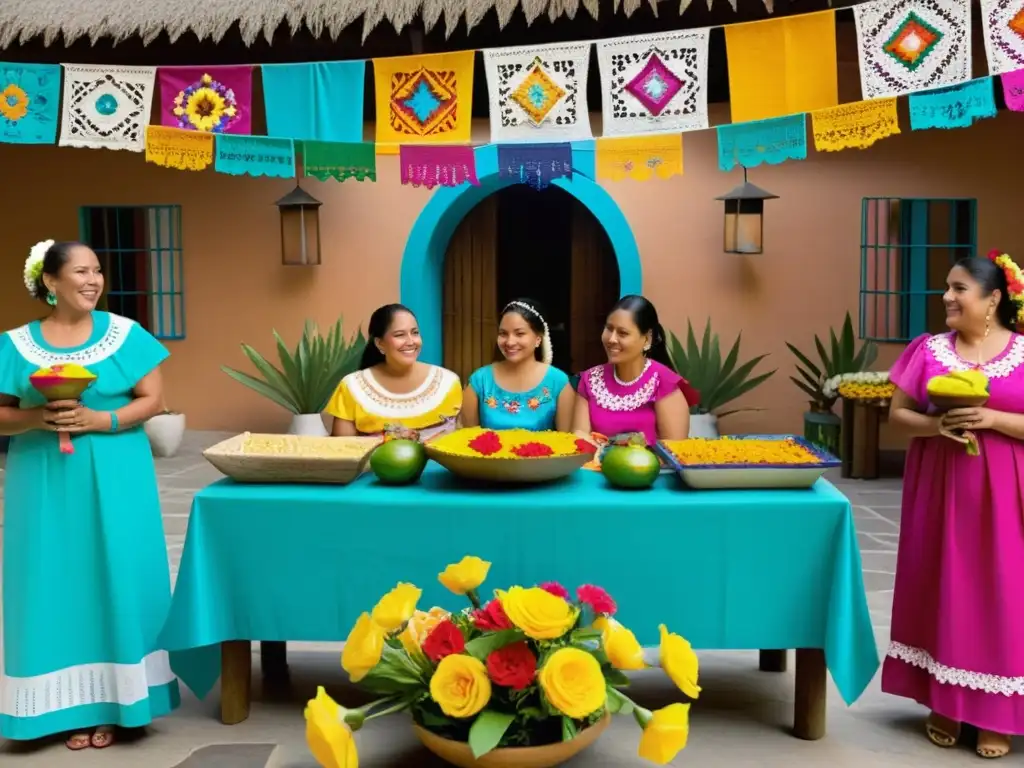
(109, 343)
(943, 349)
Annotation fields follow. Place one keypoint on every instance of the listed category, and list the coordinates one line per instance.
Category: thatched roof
(22, 20)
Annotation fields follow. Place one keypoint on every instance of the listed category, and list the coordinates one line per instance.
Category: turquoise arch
(422, 277)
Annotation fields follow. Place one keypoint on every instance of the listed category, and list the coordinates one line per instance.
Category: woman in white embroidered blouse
(86, 587)
(957, 639)
(636, 390)
(391, 388)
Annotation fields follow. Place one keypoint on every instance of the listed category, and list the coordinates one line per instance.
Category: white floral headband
(547, 351)
(34, 265)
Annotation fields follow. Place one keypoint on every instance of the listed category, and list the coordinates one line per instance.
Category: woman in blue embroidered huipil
(86, 586)
(523, 391)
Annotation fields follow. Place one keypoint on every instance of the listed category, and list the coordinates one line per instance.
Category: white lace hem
(102, 683)
(976, 681)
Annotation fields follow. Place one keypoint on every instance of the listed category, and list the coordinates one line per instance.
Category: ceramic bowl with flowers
(532, 671)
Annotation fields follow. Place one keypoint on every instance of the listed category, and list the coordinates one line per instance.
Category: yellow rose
(538, 613)
(395, 608)
(679, 662)
(329, 739)
(363, 648)
(460, 686)
(665, 735)
(624, 652)
(573, 682)
(419, 626)
(466, 575)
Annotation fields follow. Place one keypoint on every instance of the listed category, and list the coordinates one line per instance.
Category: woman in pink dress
(958, 618)
(636, 390)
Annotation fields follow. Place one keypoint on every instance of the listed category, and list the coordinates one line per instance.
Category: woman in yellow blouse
(391, 388)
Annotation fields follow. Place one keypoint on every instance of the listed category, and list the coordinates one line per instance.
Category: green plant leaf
(569, 730)
(271, 375)
(434, 720)
(618, 704)
(582, 635)
(484, 645)
(616, 677)
(814, 392)
(487, 730)
(805, 361)
(260, 387)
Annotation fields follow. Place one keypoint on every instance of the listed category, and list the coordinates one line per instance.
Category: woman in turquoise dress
(86, 585)
(522, 391)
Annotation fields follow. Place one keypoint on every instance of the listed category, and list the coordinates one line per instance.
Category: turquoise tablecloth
(727, 569)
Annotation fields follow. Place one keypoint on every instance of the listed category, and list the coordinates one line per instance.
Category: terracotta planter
(460, 755)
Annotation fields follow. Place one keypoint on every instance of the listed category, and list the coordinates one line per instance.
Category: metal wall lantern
(744, 217)
(300, 228)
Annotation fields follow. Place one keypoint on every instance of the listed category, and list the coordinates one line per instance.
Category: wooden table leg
(235, 680)
(865, 442)
(773, 660)
(274, 660)
(811, 694)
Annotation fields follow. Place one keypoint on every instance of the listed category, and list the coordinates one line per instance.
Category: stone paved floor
(741, 720)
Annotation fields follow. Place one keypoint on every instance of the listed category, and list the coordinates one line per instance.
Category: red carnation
(555, 589)
(486, 443)
(491, 618)
(532, 450)
(599, 600)
(444, 640)
(585, 446)
(513, 666)
(994, 254)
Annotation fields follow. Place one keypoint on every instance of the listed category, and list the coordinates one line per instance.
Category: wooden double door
(523, 243)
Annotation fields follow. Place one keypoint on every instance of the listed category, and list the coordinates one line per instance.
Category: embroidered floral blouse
(430, 408)
(533, 409)
(618, 407)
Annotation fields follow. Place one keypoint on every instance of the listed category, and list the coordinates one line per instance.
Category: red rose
(491, 618)
(513, 666)
(555, 589)
(599, 600)
(444, 640)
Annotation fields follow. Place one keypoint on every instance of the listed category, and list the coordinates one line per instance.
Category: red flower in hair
(994, 254)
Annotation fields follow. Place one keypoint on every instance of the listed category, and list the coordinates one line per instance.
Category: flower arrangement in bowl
(525, 680)
(867, 387)
(65, 381)
(510, 455)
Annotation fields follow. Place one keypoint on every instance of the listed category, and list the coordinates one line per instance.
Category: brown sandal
(938, 731)
(998, 745)
(103, 737)
(78, 741)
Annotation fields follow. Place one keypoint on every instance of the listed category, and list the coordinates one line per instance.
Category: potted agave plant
(307, 376)
(821, 425)
(526, 680)
(719, 380)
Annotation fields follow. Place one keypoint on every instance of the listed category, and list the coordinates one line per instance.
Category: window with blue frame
(139, 248)
(907, 248)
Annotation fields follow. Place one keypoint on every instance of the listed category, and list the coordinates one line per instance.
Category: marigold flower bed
(867, 391)
(724, 450)
(509, 444)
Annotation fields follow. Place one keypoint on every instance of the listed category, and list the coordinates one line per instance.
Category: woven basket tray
(298, 461)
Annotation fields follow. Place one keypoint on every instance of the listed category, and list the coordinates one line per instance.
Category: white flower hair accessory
(547, 351)
(34, 265)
